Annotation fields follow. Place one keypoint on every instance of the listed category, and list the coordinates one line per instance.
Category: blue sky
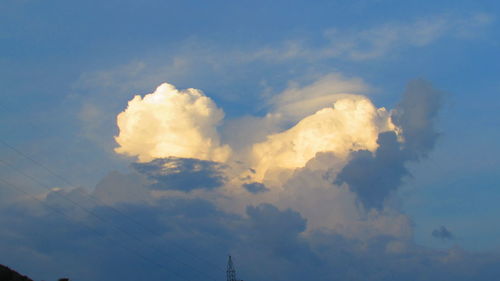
(67, 69)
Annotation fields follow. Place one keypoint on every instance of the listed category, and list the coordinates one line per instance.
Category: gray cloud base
(268, 244)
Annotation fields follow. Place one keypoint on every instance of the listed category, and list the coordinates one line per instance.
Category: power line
(121, 245)
(116, 210)
(99, 217)
(100, 202)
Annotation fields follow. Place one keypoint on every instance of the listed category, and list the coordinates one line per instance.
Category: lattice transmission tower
(231, 272)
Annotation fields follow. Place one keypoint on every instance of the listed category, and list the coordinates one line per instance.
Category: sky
(334, 140)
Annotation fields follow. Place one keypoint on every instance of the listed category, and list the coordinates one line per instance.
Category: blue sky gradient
(67, 68)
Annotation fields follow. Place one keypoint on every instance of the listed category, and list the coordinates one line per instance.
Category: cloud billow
(171, 123)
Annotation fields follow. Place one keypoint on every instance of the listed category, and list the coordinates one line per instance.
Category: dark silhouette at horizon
(8, 274)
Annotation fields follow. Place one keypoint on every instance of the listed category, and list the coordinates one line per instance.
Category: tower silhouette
(231, 272)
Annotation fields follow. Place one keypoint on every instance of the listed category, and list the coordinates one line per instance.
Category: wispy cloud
(380, 40)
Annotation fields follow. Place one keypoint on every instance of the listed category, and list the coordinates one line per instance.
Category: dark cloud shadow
(373, 176)
(255, 187)
(184, 174)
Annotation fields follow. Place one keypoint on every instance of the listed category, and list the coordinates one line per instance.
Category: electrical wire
(95, 215)
(100, 202)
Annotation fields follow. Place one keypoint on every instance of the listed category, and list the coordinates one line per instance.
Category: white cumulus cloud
(171, 123)
(352, 123)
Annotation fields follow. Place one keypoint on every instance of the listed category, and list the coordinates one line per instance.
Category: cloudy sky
(327, 140)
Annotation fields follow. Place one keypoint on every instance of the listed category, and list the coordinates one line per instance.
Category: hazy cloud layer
(188, 239)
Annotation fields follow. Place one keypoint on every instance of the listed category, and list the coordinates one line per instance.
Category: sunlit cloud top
(171, 122)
